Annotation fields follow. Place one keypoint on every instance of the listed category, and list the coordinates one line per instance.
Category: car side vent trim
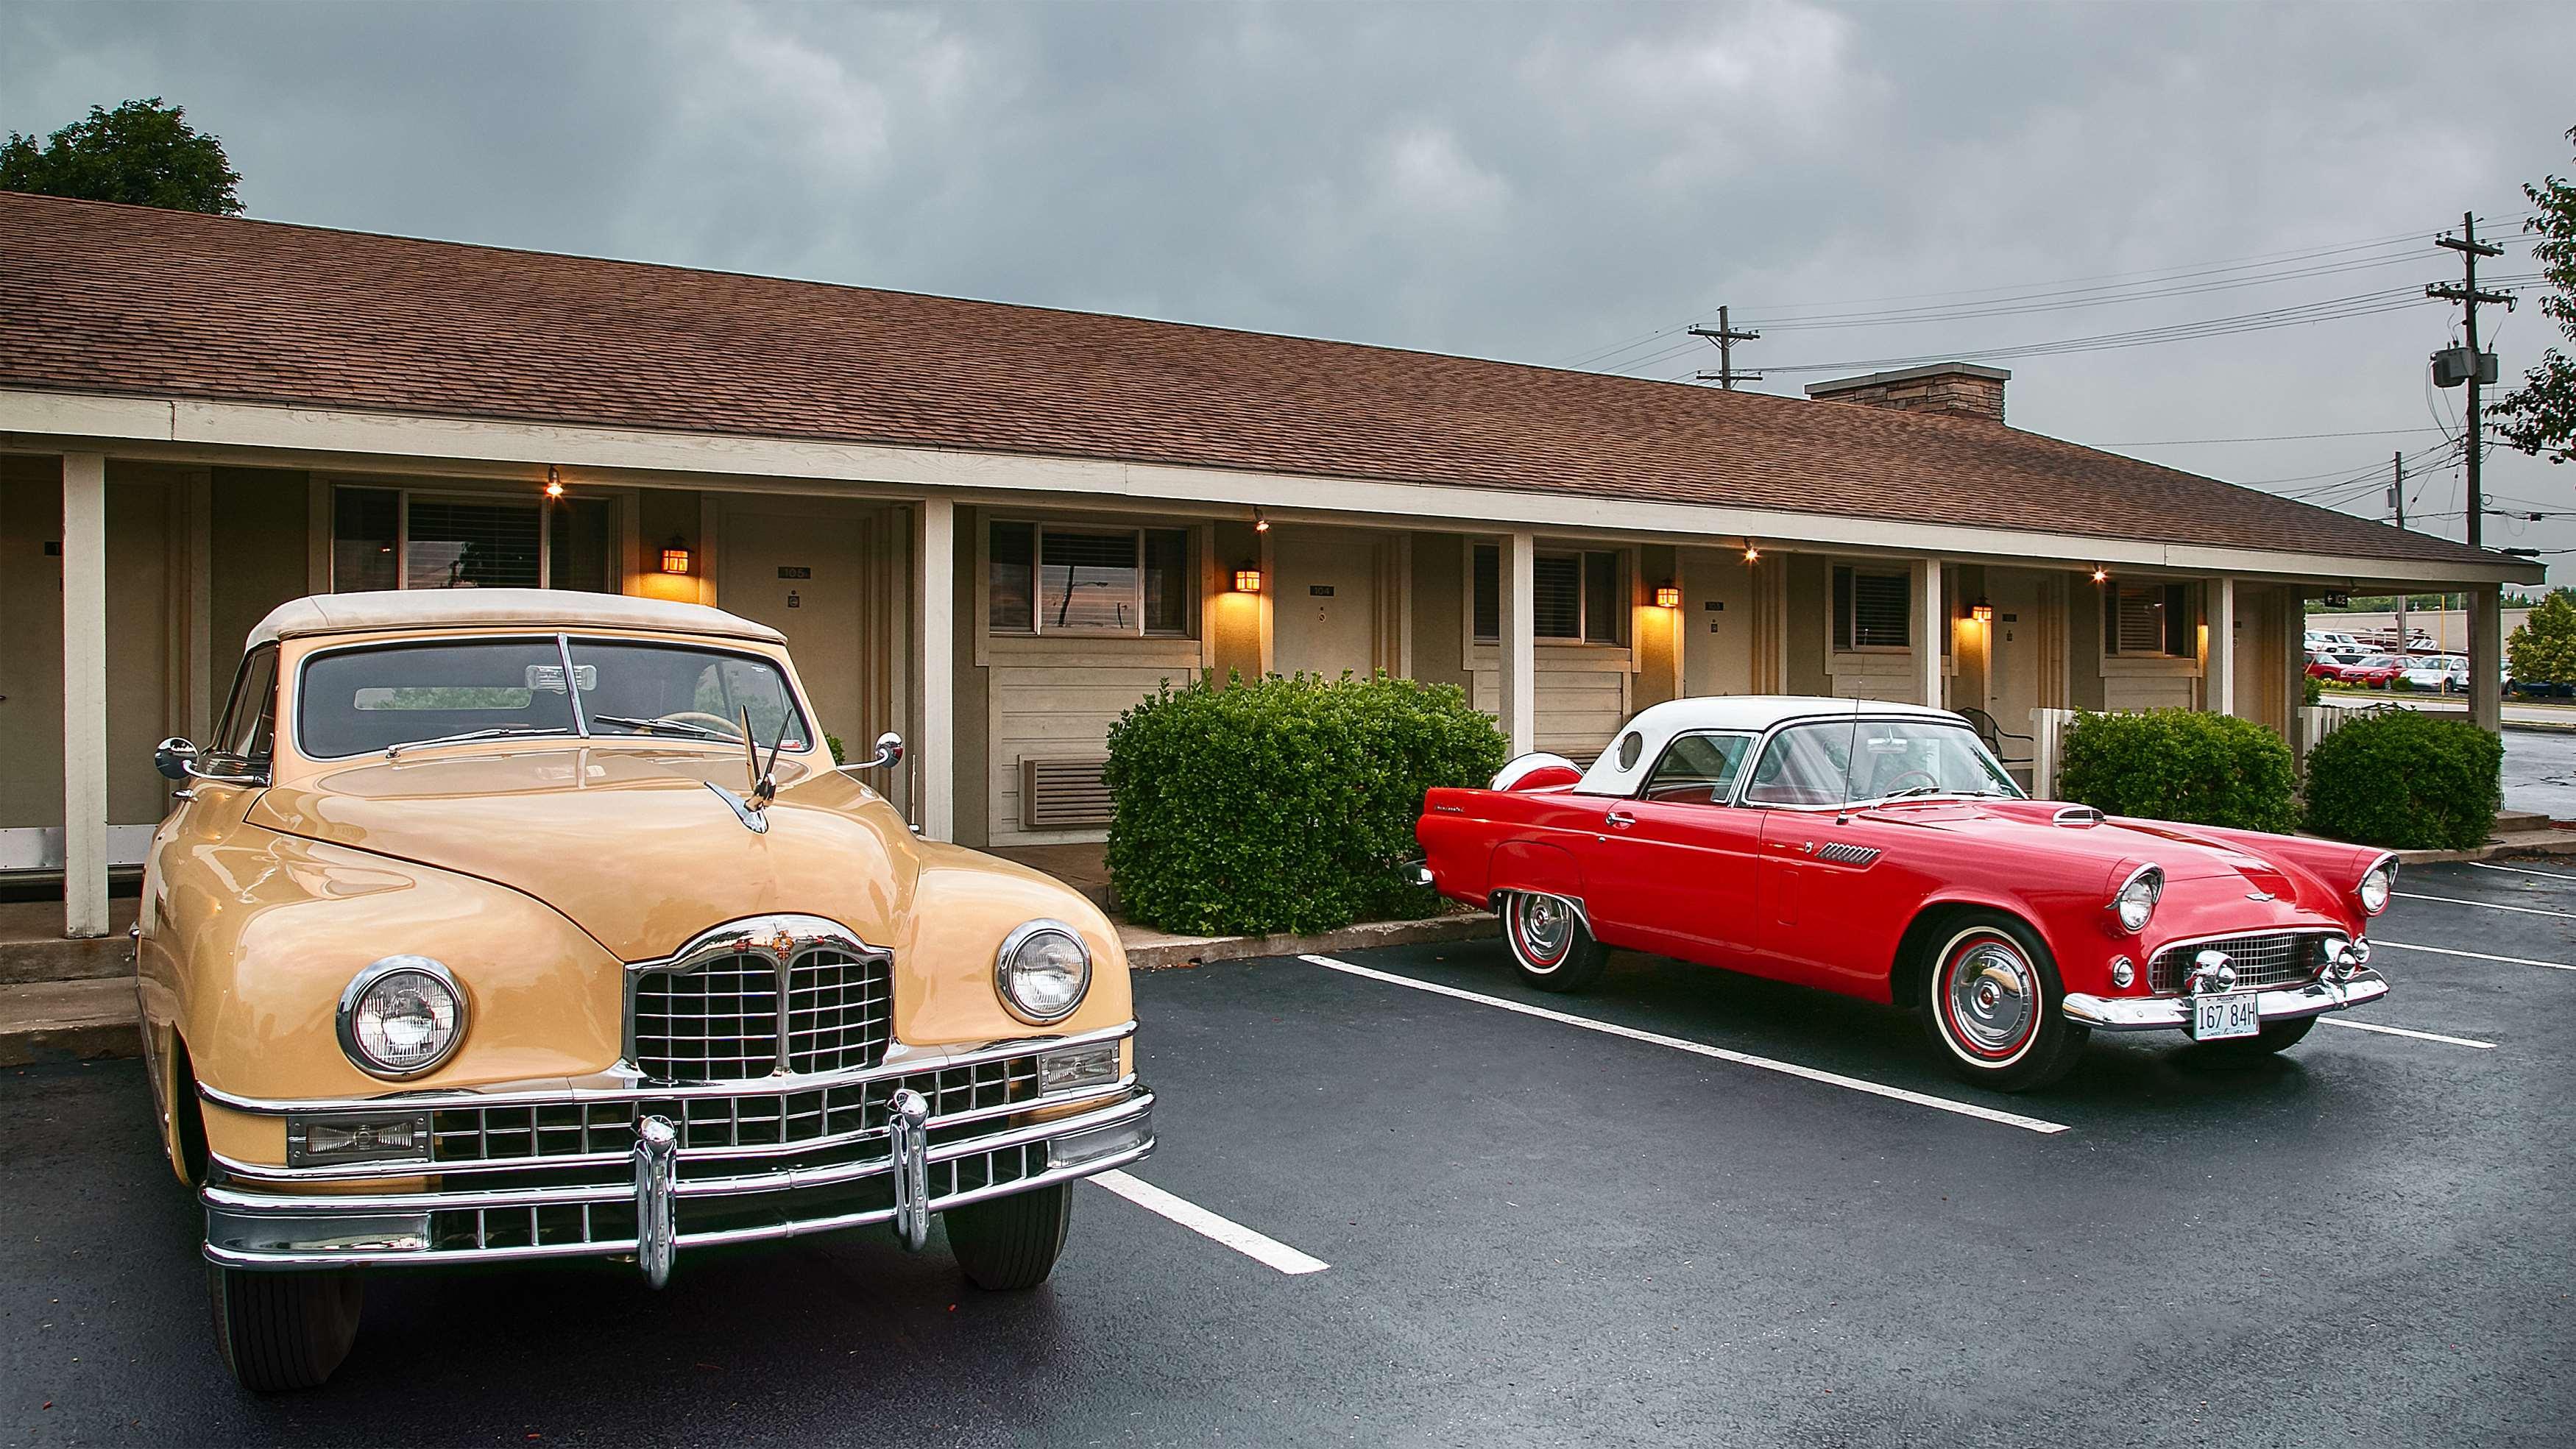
(1064, 792)
(1848, 854)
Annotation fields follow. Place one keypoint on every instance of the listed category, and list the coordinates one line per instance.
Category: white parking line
(2522, 870)
(1256, 1246)
(1920, 1099)
(2484, 1046)
(2473, 955)
(2489, 905)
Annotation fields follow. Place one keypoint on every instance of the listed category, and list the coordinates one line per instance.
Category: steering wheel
(1897, 784)
(699, 716)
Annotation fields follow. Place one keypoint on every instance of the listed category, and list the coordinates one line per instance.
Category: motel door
(1323, 613)
(2016, 638)
(799, 575)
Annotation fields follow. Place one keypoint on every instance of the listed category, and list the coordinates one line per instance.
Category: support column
(2218, 676)
(1927, 649)
(935, 606)
(2486, 658)
(84, 694)
(1519, 642)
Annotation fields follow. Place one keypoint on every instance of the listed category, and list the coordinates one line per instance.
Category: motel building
(993, 528)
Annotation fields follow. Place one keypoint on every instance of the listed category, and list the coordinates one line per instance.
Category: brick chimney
(1958, 389)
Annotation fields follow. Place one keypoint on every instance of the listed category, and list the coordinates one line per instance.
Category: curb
(2537, 842)
(68, 1021)
(1154, 951)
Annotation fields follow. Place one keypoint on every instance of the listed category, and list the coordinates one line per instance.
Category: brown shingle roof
(129, 300)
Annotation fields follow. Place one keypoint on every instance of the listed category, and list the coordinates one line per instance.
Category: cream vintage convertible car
(507, 924)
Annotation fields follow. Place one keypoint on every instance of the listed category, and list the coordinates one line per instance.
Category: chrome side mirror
(172, 757)
(889, 750)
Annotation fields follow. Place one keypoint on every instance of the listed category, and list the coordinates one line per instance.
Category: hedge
(1283, 804)
(2406, 780)
(2181, 764)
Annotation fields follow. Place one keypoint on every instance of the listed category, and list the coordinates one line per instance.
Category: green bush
(1283, 805)
(2312, 692)
(2406, 780)
(2181, 764)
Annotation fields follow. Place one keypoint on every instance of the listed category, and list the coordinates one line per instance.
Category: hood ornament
(752, 807)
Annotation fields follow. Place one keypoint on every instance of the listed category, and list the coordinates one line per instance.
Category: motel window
(2151, 621)
(1873, 609)
(1062, 579)
(399, 538)
(1575, 596)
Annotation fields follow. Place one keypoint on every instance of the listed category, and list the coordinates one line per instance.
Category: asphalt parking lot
(1531, 1232)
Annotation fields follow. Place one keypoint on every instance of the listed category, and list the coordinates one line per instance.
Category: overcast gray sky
(1535, 182)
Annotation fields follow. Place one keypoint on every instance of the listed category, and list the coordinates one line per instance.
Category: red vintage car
(1881, 851)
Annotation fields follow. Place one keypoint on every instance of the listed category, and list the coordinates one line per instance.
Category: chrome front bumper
(2171, 1013)
(633, 1171)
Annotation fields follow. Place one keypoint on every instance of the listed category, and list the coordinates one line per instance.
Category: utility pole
(2468, 296)
(2397, 500)
(1726, 336)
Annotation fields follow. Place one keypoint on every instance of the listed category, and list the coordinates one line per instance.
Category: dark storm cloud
(1525, 181)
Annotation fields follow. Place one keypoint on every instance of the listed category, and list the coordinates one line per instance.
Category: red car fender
(1521, 865)
(1913, 947)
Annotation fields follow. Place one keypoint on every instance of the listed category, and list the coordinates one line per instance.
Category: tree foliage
(2539, 417)
(143, 153)
(2543, 649)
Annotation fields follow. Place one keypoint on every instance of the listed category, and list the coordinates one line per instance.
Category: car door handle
(1618, 819)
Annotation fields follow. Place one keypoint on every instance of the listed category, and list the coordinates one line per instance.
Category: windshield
(1805, 764)
(362, 701)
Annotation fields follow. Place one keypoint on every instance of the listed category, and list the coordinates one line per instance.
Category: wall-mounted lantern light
(675, 555)
(1247, 580)
(1982, 612)
(1668, 596)
(1752, 552)
(2101, 575)
(554, 481)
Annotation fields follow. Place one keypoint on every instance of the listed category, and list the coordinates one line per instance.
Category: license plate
(2217, 1018)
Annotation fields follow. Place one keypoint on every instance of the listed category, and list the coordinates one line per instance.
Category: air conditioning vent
(1063, 793)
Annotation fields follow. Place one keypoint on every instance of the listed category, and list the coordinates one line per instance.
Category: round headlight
(2376, 884)
(402, 1016)
(2136, 902)
(1042, 971)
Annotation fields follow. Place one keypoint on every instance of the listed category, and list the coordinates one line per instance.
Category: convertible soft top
(393, 610)
(1620, 769)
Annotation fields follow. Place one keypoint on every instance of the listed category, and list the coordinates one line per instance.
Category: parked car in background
(506, 924)
(2447, 673)
(1881, 851)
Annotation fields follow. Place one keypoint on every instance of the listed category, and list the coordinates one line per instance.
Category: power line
(2270, 438)
(2026, 290)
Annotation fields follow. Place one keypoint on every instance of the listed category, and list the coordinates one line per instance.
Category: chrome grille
(2272, 959)
(723, 1022)
(462, 1135)
(840, 1011)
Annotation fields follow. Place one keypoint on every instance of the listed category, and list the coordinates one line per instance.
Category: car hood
(626, 841)
(2179, 851)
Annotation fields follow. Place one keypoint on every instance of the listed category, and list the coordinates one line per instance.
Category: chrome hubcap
(1994, 997)
(1547, 928)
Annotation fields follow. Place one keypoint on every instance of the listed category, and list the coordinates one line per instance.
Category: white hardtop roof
(392, 611)
(1656, 725)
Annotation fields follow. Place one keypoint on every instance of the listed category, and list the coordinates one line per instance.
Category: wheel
(280, 1331)
(1992, 1001)
(1008, 1243)
(1549, 942)
(2274, 1037)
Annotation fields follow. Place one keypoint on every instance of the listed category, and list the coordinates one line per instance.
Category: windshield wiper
(664, 722)
(494, 733)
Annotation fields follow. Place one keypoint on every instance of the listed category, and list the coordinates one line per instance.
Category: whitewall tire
(1550, 943)
(1993, 1005)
